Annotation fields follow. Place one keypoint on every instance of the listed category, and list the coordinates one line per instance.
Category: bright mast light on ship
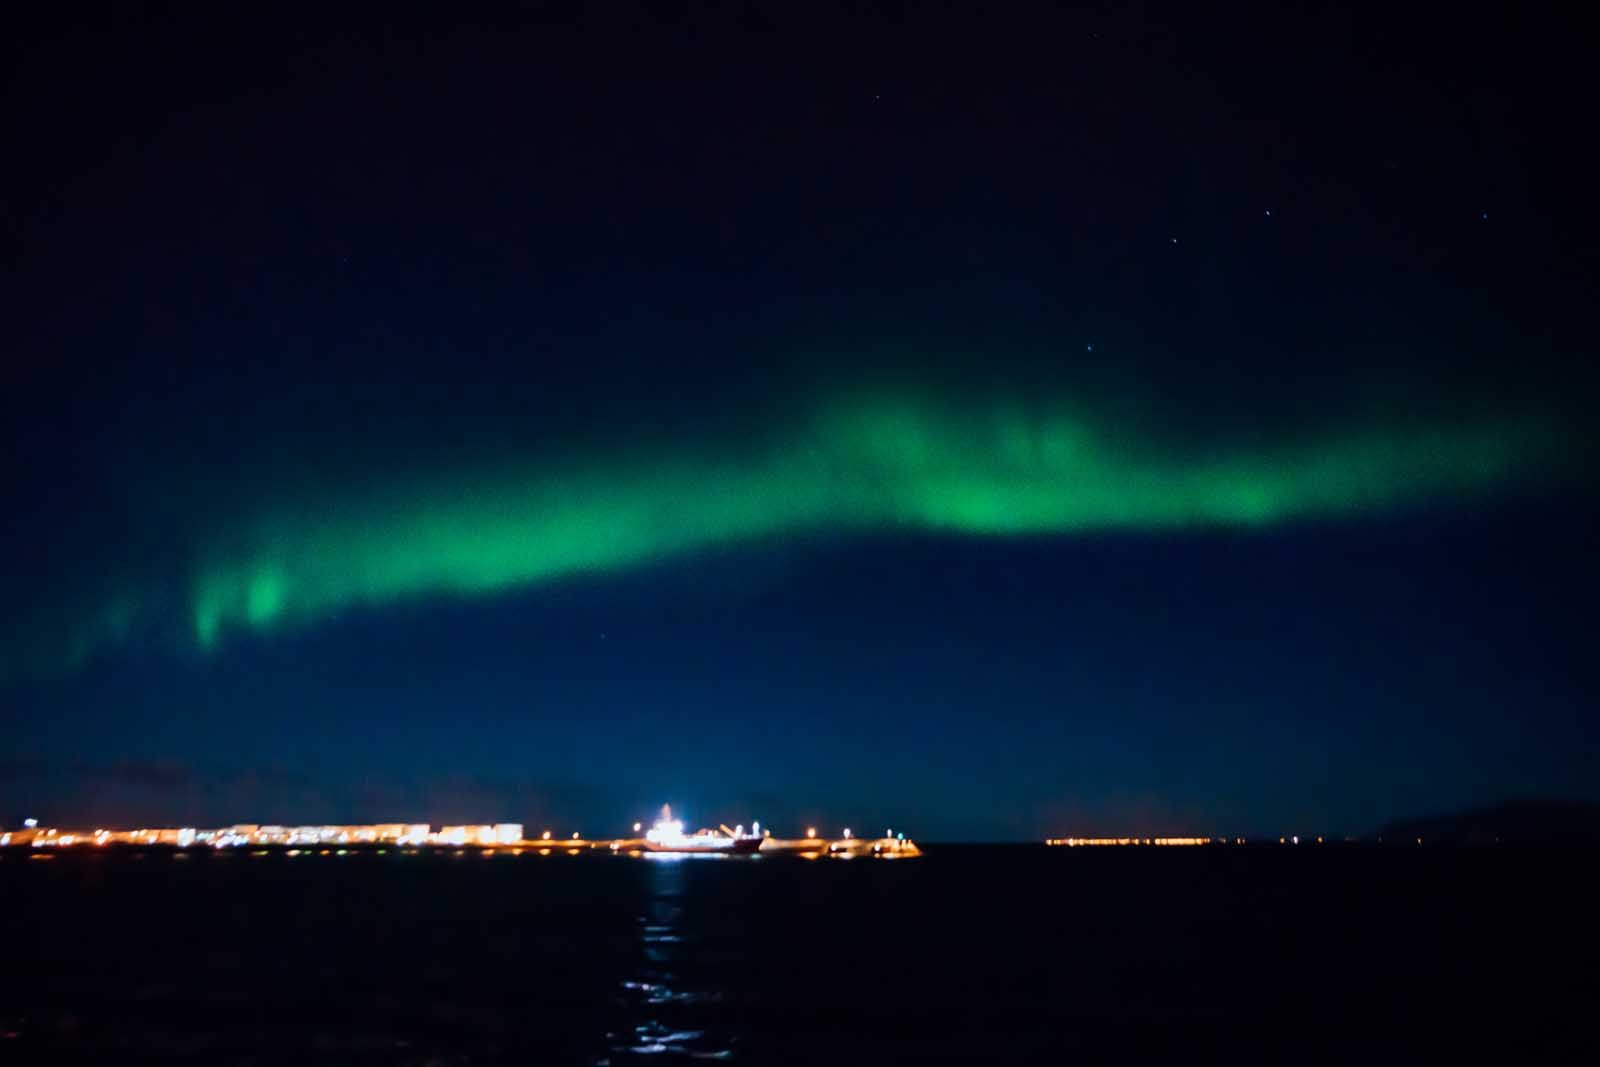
(666, 830)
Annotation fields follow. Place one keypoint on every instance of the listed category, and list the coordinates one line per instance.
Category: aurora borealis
(868, 464)
(1105, 412)
(863, 467)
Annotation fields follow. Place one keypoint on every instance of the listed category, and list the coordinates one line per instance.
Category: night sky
(987, 426)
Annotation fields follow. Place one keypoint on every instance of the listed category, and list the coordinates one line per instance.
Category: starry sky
(1106, 419)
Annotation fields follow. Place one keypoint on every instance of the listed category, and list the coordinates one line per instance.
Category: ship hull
(741, 846)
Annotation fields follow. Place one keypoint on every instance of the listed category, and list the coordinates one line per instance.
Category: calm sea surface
(969, 954)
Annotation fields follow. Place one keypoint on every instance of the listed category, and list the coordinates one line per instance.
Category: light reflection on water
(663, 1015)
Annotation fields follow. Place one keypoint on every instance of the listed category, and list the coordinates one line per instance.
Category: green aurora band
(1005, 471)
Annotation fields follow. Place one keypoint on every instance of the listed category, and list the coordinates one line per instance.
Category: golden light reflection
(1074, 842)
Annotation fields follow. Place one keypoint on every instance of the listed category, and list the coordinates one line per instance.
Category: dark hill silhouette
(1512, 822)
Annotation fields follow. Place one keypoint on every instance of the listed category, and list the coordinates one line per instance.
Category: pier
(485, 837)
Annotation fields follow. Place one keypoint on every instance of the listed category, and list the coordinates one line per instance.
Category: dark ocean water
(969, 954)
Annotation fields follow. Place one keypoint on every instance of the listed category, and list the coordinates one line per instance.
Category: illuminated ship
(666, 835)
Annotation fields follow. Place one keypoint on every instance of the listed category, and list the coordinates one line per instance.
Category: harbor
(665, 837)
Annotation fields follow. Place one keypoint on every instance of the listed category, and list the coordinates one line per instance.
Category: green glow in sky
(870, 465)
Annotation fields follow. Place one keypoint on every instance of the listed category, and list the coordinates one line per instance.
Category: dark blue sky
(1095, 421)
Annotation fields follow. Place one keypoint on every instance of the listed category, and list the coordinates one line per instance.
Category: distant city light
(847, 833)
(30, 823)
(811, 832)
(637, 827)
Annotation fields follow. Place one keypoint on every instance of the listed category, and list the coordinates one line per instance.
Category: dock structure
(484, 837)
(258, 835)
(898, 847)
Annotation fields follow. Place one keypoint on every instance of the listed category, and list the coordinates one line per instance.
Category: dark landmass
(1521, 821)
